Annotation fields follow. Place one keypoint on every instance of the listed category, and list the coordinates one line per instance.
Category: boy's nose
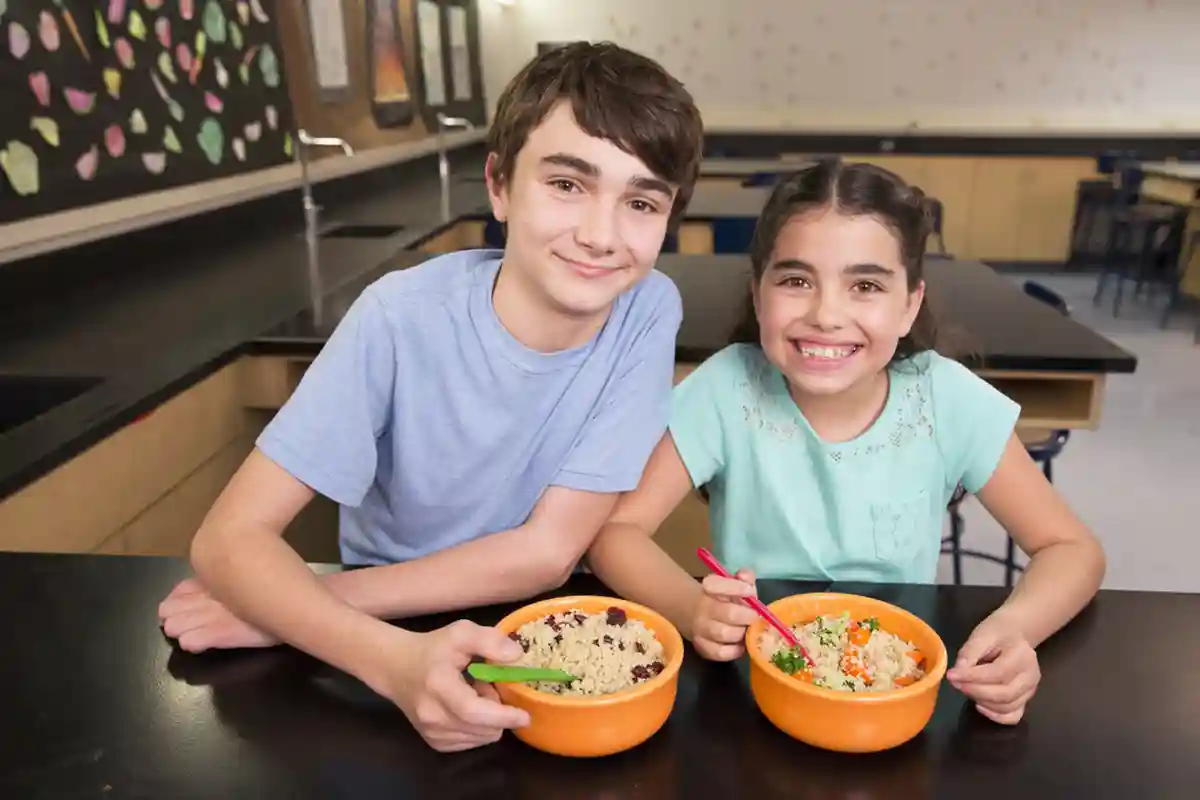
(597, 229)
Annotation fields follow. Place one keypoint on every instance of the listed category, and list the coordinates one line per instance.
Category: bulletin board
(104, 99)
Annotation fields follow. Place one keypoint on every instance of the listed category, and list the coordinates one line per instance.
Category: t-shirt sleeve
(325, 435)
(613, 449)
(973, 422)
(697, 427)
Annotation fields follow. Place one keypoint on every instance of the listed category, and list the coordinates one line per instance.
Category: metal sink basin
(24, 398)
(361, 231)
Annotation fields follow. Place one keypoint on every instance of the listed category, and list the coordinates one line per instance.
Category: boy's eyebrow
(584, 167)
(865, 268)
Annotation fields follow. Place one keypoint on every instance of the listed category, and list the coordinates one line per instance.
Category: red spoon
(764, 612)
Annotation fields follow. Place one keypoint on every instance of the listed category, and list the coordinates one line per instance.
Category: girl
(831, 438)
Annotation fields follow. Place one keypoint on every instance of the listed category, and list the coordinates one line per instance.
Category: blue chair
(1043, 452)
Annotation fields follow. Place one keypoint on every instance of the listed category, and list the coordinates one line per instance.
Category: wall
(1081, 65)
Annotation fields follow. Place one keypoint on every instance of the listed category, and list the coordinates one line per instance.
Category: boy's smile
(585, 221)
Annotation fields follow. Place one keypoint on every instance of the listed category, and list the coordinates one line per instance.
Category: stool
(1175, 269)
(937, 213)
(1146, 221)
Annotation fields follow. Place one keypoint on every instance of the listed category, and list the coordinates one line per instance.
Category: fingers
(726, 588)
(719, 652)
(999, 695)
(1003, 717)
(177, 625)
(183, 604)
(490, 643)
(464, 703)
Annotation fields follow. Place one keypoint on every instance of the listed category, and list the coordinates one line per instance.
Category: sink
(26, 397)
(361, 231)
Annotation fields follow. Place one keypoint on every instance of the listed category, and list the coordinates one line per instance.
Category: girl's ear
(497, 189)
(915, 299)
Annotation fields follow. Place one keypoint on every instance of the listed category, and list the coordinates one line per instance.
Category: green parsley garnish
(849, 684)
(790, 660)
(872, 623)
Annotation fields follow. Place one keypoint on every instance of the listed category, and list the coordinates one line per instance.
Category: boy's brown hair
(615, 94)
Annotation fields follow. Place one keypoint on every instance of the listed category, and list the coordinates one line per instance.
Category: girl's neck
(846, 415)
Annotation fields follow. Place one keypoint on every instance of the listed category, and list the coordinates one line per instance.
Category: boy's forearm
(499, 568)
(1058, 583)
(269, 586)
(632, 564)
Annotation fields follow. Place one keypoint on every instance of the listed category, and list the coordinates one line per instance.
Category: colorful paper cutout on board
(211, 140)
(87, 164)
(114, 141)
(116, 11)
(222, 73)
(269, 64)
(287, 145)
(137, 122)
(253, 131)
(214, 21)
(18, 40)
(137, 26)
(47, 127)
(20, 165)
(166, 67)
(239, 149)
(73, 28)
(48, 31)
(260, 15)
(243, 10)
(272, 118)
(81, 102)
(112, 82)
(183, 56)
(176, 110)
(3, 7)
(235, 36)
(162, 31)
(102, 31)
(39, 84)
(154, 163)
(124, 52)
(171, 141)
(213, 103)
(154, 5)
(187, 9)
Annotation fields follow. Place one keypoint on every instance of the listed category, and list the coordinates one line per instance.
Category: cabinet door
(950, 179)
(995, 219)
(1047, 209)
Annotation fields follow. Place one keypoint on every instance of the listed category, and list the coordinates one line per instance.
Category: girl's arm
(1066, 562)
(629, 561)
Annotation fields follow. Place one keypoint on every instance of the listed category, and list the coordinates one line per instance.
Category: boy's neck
(533, 321)
(846, 415)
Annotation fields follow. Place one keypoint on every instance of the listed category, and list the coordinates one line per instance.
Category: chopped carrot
(916, 655)
(859, 634)
(803, 675)
(905, 680)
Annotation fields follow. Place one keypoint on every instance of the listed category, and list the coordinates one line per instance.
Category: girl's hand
(998, 669)
(720, 620)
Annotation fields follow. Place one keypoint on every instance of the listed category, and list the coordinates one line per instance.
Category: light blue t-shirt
(787, 504)
(432, 426)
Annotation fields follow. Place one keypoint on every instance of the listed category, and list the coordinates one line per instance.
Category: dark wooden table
(98, 704)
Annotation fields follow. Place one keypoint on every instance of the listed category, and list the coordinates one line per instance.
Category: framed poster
(327, 23)
(391, 100)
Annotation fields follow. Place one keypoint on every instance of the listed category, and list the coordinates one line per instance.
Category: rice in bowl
(850, 655)
(607, 652)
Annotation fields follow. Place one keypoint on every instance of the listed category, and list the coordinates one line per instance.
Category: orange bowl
(847, 722)
(596, 725)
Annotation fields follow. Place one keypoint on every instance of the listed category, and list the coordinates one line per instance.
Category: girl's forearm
(630, 563)
(1058, 583)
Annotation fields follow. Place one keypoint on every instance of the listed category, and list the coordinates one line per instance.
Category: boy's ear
(497, 190)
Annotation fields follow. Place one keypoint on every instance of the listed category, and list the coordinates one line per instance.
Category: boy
(475, 416)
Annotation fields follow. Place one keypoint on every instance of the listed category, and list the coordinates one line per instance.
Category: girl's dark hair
(853, 189)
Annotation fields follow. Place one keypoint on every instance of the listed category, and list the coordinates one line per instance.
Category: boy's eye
(867, 286)
(563, 185)
(795, 282)
(644, 206)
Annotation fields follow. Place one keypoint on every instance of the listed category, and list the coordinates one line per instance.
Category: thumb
(745, 576)
(493, 645)
(980, 646)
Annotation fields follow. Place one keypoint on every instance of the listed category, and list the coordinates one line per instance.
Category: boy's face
(585, 219)
(834, 301)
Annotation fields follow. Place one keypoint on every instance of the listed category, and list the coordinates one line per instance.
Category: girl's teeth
(828, 352)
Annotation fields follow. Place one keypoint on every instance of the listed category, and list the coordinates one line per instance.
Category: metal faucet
(445, 122)
(311, 213)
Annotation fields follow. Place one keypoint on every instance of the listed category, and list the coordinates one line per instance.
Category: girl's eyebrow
(864, 268)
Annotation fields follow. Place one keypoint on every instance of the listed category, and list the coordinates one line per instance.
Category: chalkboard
(105, 99)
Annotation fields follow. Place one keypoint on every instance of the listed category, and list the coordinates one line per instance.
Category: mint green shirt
(789, 505)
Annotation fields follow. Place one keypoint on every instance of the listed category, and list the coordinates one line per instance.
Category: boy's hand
(199, 622)
(424, 678)
(720, 620)
(998, 669)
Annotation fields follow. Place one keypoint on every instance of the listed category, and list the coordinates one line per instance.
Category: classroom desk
(1179, 184)
(100, 705)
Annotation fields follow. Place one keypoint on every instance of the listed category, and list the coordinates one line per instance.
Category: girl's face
(833, 301)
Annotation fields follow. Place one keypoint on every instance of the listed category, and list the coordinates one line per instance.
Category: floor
(1136, 480)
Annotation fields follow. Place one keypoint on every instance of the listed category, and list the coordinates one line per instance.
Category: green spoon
(495, 673)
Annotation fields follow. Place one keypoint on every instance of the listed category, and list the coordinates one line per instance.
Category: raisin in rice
(617, 616)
